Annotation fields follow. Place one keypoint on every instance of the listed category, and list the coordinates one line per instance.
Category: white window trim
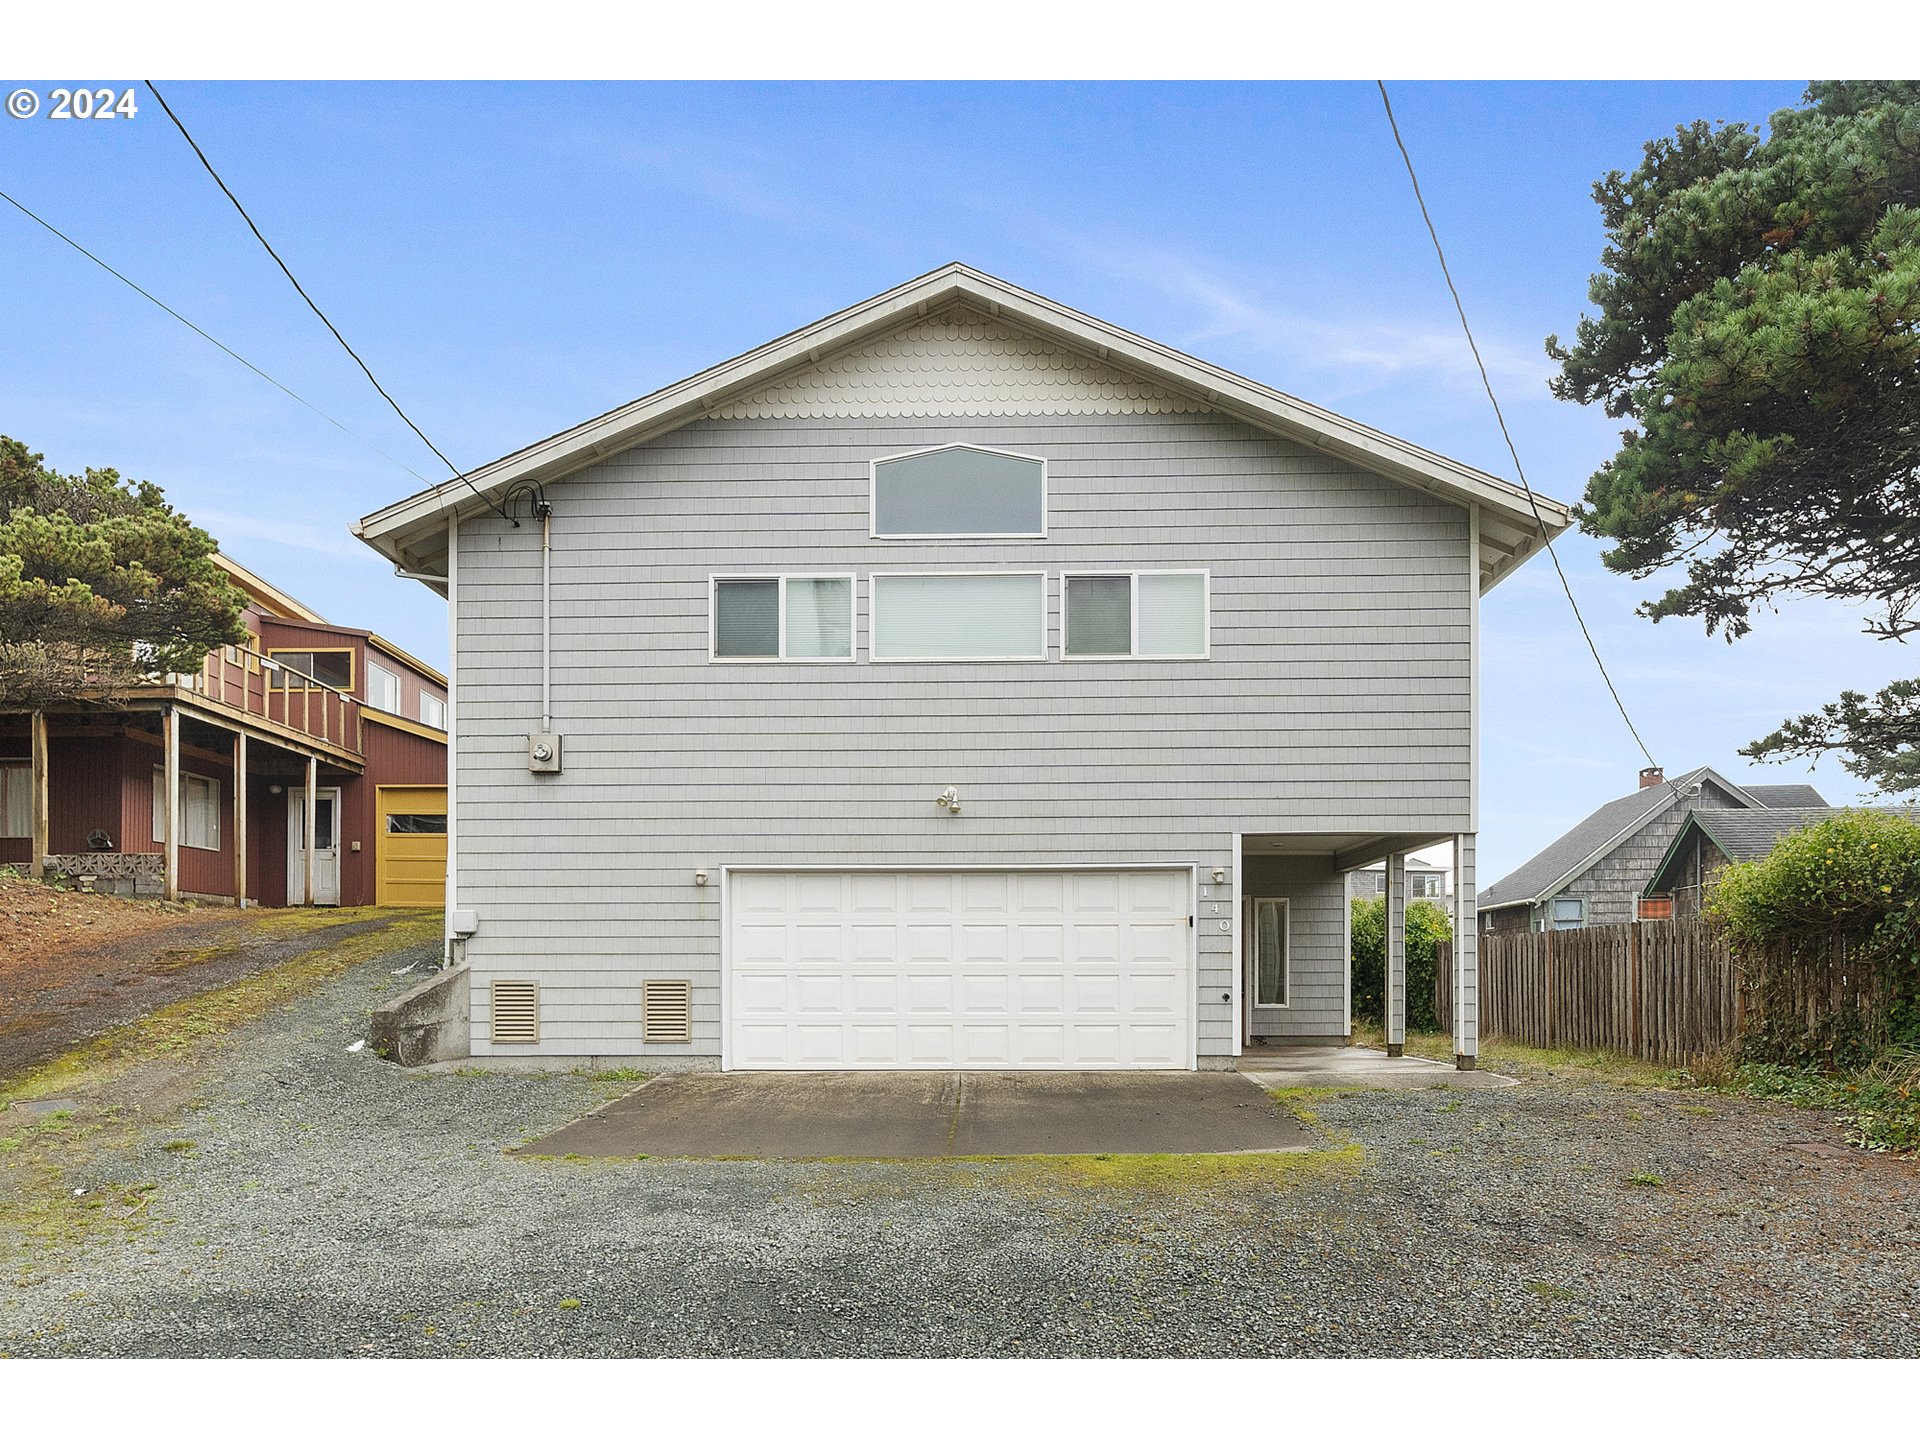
(1579, 924)
(187, 777)
(873, 497)
(714, 657)
(426, 699)
(1206, 618)
(873, 619)
(1286, 949)
(373, 669)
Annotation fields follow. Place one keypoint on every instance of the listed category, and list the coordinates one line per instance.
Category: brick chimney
(1651, 776)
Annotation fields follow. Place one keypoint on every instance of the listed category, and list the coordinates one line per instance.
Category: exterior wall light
(948, 800)
(699, 877)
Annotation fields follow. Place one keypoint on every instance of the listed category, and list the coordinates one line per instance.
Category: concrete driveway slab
(1357, 1067)
(933, 1115)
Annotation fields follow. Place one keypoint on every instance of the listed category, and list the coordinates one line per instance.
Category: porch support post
(170, 802)
(1396, 954)
(313, 828)
(1466, 956)
(240, 820)
(37, 798)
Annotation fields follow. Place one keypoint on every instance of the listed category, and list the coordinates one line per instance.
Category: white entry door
(944, 970)
(326, 850)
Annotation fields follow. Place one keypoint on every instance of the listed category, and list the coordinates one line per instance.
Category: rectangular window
(433, 711)
(16, 801)
(1270, 954)
(199, 810)
(1140, 615)
(383, 689)
(329, 667)
(416, 824)
(783, 617)
(987, 616)
(960, 490)
(1568, 913)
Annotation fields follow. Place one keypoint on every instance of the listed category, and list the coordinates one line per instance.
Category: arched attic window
(960, 492)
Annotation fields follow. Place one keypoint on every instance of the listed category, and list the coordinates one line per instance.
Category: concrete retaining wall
(429, 1023)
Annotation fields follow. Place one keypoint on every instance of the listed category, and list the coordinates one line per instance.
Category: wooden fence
(1664, 991)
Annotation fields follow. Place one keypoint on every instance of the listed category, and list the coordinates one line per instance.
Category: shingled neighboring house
(1711, 840)
(1596, 873)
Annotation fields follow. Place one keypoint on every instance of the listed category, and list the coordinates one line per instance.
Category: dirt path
(62, 989)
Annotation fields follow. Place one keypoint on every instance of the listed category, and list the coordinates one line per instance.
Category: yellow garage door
(410, 846)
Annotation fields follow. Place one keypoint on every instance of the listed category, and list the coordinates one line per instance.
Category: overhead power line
(332, 329)
(61, 235)
(1533, 502)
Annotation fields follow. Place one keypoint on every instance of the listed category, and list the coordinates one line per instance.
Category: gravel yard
(306, 1199)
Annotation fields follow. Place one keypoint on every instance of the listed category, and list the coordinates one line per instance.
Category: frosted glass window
(959, 490)
(1099, 615)
(959, 617)
(1173, 615)
(746, 619)
(1148, 615)
(819, 617)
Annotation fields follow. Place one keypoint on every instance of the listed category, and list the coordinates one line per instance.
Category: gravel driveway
(315, 1201)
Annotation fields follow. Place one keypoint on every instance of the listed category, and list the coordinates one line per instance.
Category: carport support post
(1466, 957)
(239, 820)
(170, 801)
(37, 800)
(313, 828)
(1396, 978)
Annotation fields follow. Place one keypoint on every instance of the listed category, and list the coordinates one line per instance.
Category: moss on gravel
(39, 1206)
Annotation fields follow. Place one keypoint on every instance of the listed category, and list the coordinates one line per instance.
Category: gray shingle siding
(1337, 698)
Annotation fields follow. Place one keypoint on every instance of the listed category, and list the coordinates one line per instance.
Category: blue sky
(512, 259)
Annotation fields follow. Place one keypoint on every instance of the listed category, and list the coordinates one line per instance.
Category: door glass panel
(1269, 952)
(323, 823)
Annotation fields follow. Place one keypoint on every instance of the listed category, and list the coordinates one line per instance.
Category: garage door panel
(944, 969)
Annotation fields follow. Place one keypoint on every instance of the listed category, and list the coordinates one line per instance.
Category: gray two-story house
(956, 682)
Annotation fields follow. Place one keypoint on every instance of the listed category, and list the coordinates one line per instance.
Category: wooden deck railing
(241, 678)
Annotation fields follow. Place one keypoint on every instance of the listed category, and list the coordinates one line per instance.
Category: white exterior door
(326, 850)
(960, 969)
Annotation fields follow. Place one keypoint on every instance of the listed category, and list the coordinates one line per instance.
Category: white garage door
(936, 970)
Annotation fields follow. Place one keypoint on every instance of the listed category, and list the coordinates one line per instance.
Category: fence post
(1633, 983)
(1546, 936)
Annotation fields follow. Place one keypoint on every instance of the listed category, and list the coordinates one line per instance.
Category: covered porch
(1292, 940)
(167, 795)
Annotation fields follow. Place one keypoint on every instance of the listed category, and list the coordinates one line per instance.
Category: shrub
(1427, 926)
(1827, 928)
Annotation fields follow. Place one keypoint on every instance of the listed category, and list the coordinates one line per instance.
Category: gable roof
(1776, 797)
(1595, 836)
(411, 532)
(1750, 834)
(270, 598)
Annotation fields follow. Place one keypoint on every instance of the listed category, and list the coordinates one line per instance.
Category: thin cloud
(225, 526)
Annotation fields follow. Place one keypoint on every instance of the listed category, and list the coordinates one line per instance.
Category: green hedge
(1427, 926)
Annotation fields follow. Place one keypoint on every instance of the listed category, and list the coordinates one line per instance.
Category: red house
(307, 766)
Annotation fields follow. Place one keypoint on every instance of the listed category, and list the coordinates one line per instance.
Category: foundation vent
(667, 1012)
(516, 1012)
